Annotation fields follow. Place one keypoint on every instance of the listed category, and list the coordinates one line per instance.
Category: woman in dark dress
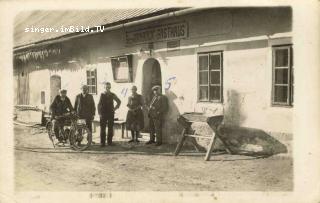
(134, 120)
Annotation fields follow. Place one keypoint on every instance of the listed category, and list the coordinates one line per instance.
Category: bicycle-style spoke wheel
(80, 139)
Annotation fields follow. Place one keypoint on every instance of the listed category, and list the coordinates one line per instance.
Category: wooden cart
(186, 121)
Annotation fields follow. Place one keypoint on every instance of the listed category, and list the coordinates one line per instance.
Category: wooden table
(186, 121)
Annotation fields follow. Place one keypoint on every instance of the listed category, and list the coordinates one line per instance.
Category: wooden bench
(120, 122)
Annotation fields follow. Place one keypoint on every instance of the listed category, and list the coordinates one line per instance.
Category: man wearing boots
(106, 111)
(157, 109)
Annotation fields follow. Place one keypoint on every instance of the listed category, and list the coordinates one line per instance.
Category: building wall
(245, 36)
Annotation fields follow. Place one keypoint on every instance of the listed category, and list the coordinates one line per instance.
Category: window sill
(122, 81)
(213, 101)
(282, 105)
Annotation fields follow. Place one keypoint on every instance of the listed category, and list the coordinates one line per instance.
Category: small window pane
(203, 78)
(281, 76)
(204, 93)
(93, 81)
(281, 57)
(93, 89)
(281, 94)
(203, 62)
(215, 77)
(215, 62)
(215, 93)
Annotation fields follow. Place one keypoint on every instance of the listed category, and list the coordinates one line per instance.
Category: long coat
(158, 107)
(84, 106)
(134, 119)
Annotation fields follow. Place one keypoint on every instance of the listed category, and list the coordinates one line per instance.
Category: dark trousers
(155, 127)
(89, 124)
(57, 125)
(135, 134)
(103, 123)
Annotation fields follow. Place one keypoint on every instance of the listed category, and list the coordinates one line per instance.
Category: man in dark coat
(157, 109)
(85, 107)
(106, 111)
(60, 105)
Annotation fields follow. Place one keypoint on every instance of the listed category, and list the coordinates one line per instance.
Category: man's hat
(84, 86)
(156, 87)
(63, 91)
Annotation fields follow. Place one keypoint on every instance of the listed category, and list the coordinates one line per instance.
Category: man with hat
(84, 106)
(60, 105)
(106, 111)
(157, 109)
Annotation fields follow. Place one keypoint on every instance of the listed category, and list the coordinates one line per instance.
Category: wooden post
(210, 147)
(180, 143)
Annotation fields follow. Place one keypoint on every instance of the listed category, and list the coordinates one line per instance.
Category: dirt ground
(137, 167)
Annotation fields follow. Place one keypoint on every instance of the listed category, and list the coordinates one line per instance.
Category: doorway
(151, 76)
(55, 86)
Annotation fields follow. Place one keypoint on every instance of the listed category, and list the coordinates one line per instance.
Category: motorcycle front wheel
(80, 138)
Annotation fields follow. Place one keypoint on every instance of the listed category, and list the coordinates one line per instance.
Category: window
(43, 97)
(122, 68)
(92, 81)
(282, 76)
(210, 77)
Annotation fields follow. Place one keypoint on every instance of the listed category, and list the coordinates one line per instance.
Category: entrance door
(151, 76)
(55, 86)
(23, 87)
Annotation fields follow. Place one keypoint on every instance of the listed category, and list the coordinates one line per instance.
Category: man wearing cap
(85, 107)
(60, 105)
(106, 111)
(157, 109)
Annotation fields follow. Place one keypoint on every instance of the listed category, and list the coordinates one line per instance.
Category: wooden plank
(198, 136)
(207, 157)
(180, 143)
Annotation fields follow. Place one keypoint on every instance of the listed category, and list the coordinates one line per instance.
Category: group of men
(85, 108)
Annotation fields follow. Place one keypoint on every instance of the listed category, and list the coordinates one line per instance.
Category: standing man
(157, 109)
(106, 111)
(60, 106)
(85, 107)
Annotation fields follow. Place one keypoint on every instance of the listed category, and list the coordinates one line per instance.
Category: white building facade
(232, 61)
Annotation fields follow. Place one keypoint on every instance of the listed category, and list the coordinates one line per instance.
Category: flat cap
(63, 91)
(156, 87)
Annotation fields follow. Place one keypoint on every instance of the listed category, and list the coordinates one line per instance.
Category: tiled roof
(91, 18)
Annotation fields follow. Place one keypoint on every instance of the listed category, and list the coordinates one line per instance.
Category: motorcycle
(73, 132)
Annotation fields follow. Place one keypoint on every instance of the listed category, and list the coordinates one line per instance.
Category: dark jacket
(84, 106)
(105, 105)
(59, 107)
(158, 107)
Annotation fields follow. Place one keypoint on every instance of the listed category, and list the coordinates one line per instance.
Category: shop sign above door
(159, 33)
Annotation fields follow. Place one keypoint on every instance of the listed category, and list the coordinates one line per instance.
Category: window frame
(90, 78)
(209, 85)
(128, 59)
(290, 84)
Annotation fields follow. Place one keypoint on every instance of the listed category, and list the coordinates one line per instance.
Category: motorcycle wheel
(80, 139)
